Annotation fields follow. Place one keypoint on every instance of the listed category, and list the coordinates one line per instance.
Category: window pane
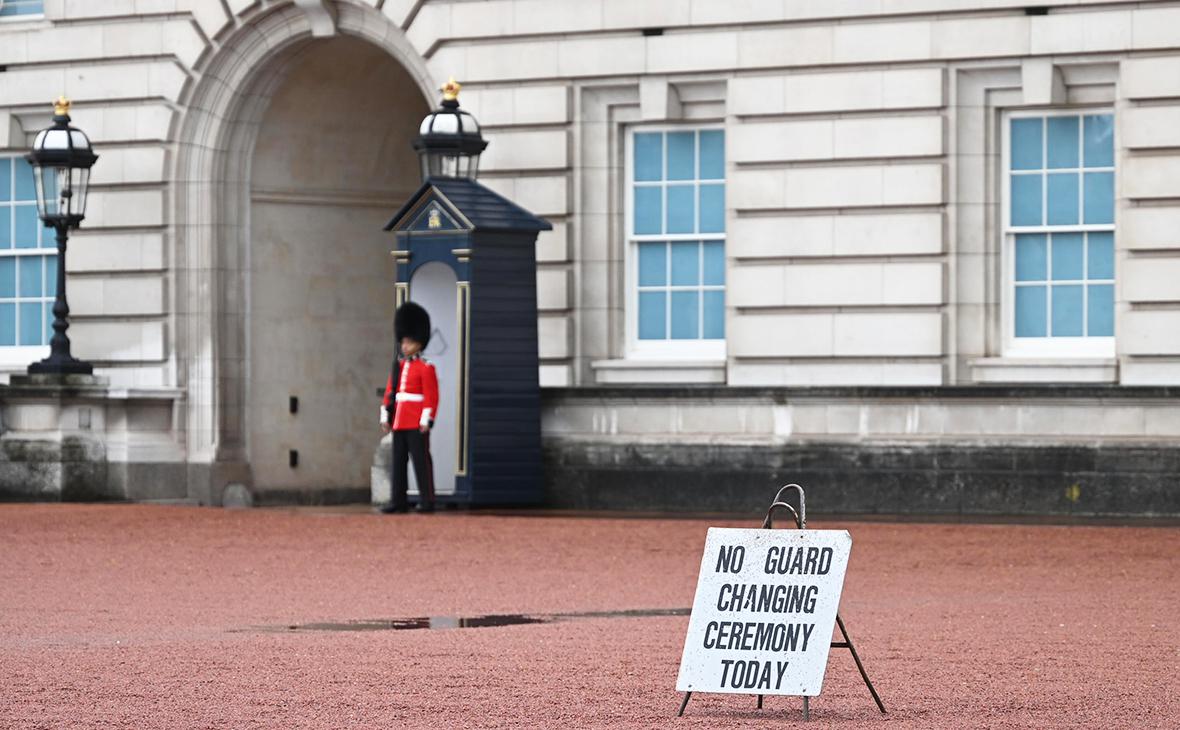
(5, 179)
(1100, 310)
(32, 323)
(27, 223)
(652, 313)
(29, 273)
(1026, 144)
(1031, 257)
(648, 210)
(5, 227)
(714, 315)
(686, 313)
(712, 209)
(1068, 256)
(48, 330)
(649, 156)
(1026, 200)
(8, 277)
(686, 259)
(1063, 199)
(1099, 140)
(24, 181)
(1063, 142)
(7, 324)
(1067, 310)
(1099, 197)
(653, 264)
(1100, 256)
(714, 273)
(682, 156)
(1030, 311)
(50, 275)
(712, 154)
(681, 209)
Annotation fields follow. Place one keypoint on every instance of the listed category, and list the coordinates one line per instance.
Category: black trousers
(411, 444)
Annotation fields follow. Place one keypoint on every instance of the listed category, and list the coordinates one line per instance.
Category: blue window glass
(681, 209)
(686, 315)
(1062, 142)
(50, 276)
(1068, 256)
(8, 277)
(1063, 199)
(712, 154)
(5, 227)
(1100, 256)
(1031, 311)
(1031, 257)
(27, 224)
(7, 324)
(5, 179)
(1027, 147)
(713, 315)
(1098, 140)
(712, 209)
(652, 315)
(23, 180)
(29, 277)
(1026, 200)
(682, 155)
(714, 263)
(649, 156)
(1099, 197)
(13, 8)
(1100, 310)
(32, 323)
(653, 264)
(686, 259)
(1067, 310)
(648, 210)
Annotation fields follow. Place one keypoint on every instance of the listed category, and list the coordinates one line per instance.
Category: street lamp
(448, 141)
(61, 160)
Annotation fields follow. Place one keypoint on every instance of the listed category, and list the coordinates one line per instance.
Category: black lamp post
(61, 160)
(449, 142)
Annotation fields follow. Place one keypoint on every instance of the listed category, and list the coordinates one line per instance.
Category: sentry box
(468, 256)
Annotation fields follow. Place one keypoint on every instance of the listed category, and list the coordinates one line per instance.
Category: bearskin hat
(412, 321)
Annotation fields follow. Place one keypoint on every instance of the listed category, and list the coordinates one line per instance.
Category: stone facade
(231, 258)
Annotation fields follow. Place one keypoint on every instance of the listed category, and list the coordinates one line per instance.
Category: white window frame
(16, 357)
(667, 349)
(1055, 347)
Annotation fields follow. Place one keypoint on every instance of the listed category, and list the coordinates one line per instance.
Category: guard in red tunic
(409, 408)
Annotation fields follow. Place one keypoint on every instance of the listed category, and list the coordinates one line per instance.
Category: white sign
(764, 611)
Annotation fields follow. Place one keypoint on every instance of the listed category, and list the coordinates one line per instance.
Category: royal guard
(409, 408)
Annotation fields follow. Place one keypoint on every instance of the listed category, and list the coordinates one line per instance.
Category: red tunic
(414, 403)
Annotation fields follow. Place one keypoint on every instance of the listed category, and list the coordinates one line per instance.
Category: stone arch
(224, 106)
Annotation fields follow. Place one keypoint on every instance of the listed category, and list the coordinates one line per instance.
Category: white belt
(412, 397)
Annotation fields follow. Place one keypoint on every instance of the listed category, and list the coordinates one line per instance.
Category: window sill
(609, 372)
(1044, 370)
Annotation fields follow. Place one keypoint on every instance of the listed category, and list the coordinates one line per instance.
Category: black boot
(425, 507)
(390, 508)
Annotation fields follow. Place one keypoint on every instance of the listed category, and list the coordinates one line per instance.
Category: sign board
(764, 611)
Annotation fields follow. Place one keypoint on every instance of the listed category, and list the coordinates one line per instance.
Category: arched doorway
(332, 157)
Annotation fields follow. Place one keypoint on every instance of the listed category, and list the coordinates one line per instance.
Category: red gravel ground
(129, 616)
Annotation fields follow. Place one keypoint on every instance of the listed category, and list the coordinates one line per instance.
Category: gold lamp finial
(450, 90)
(61, 106)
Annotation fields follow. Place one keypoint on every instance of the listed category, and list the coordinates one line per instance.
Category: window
(28, 274)
(1059, 235)
(13, 8)
(676, 243)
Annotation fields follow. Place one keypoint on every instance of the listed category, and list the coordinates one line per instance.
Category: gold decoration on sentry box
(450, 89)
(61, 106)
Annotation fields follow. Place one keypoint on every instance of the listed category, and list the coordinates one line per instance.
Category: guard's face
(410, 347)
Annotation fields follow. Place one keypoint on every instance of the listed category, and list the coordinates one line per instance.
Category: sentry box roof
(467, 206)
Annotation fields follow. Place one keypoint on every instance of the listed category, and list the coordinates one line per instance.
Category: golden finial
(450, 90)
(61, 107)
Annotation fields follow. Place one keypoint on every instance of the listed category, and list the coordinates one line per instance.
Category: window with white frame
(1059, 234)
(676, 242)
(28, 263)
(15, 8)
